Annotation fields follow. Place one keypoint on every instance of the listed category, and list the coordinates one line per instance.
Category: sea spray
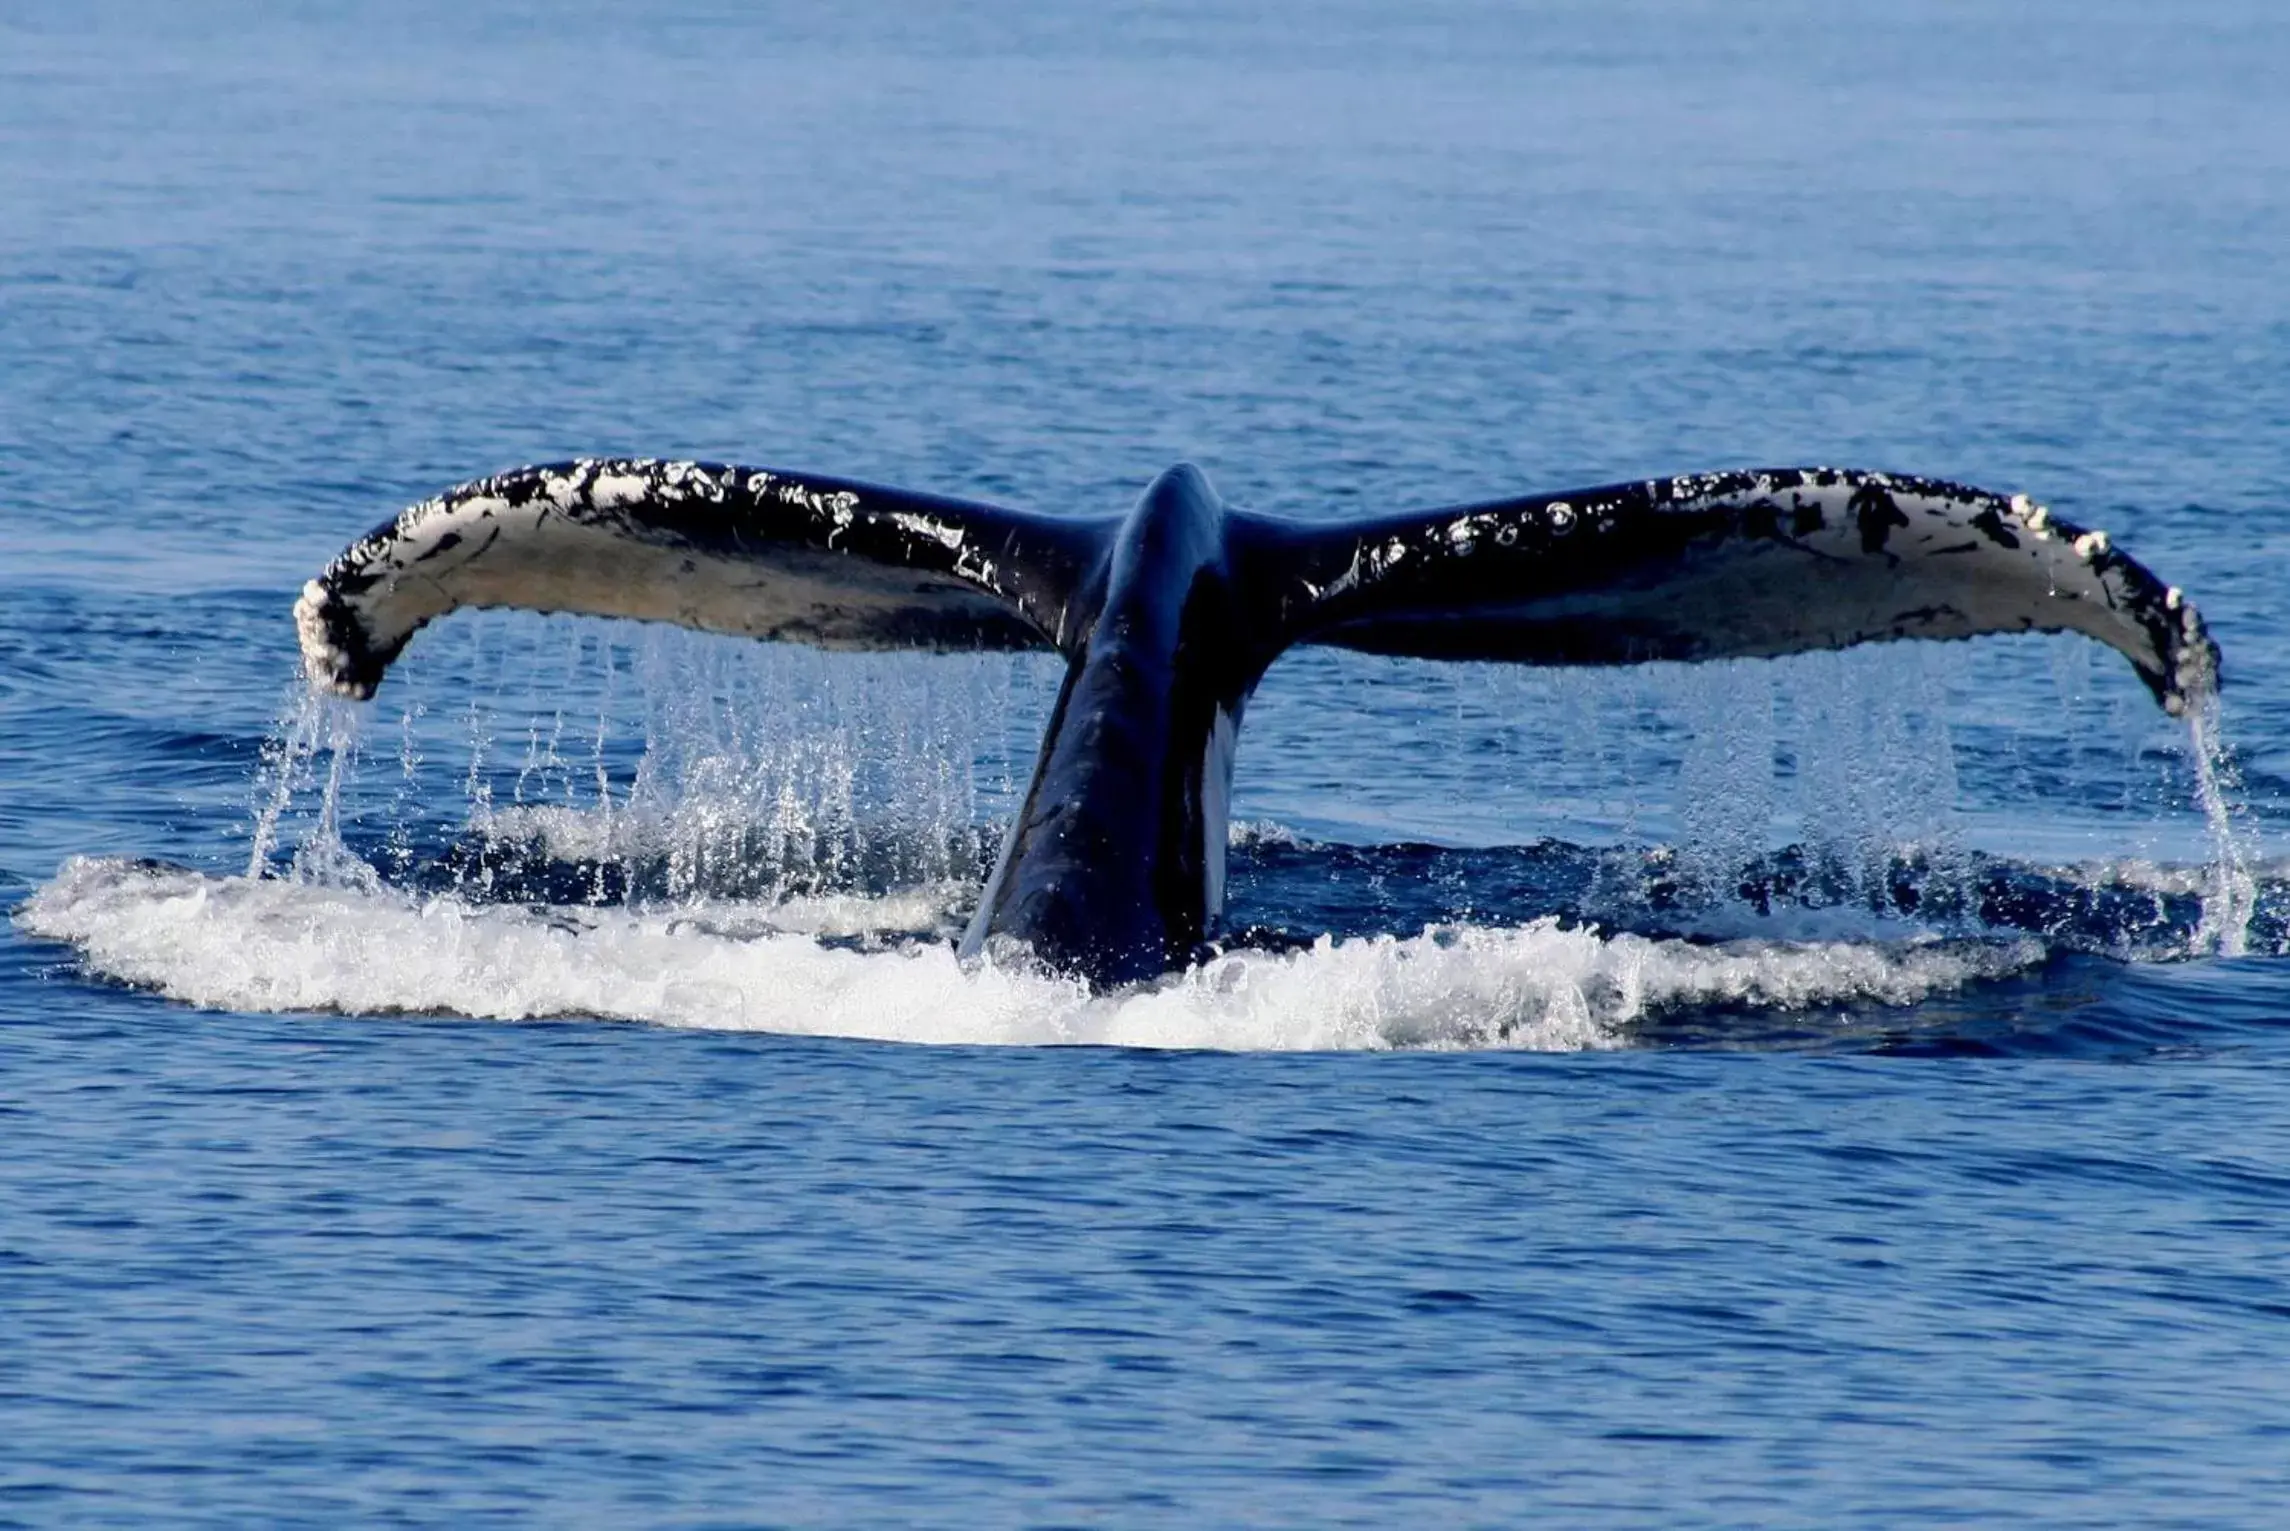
(282, 771)
(1726, 780)
(2230, 891)
(324, 857)
(569, 760)
(601, 765)
(1822, 781)
(310, 725)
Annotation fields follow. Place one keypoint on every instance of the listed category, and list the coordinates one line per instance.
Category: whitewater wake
(271, 945)
(792, 845)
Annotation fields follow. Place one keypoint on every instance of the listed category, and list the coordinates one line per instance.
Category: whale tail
(1727, 566)
(746, 551)
(1170, 615)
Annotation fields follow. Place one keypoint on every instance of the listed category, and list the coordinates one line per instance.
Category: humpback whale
(1167, 617)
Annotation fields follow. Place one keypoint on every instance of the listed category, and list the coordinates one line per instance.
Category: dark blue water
(1846, 1090)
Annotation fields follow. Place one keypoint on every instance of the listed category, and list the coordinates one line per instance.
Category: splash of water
(651, 763)
(2230, 892)
(1832, 775)
(310, 726)
(761, 783)
(282, 772)
(1726, 780)
(271, 944)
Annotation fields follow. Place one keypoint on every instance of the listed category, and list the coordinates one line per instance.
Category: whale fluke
(747, 551)
(1168, 617)
(1728, 566)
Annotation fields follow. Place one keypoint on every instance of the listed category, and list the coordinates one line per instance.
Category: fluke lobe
(1168, 617)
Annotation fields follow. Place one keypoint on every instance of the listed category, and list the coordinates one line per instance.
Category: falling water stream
(858, 799)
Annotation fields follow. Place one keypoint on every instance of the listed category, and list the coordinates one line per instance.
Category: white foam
(1249, 832)
(285, 945)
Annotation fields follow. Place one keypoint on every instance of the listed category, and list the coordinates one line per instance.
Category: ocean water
(1847, 1090)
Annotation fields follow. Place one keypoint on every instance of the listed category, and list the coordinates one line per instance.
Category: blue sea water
(1849, 1090)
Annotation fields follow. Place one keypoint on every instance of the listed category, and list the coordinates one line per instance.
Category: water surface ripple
(1810, 1093)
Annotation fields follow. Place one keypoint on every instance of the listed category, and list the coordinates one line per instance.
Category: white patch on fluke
(615, 489)
(945, 536)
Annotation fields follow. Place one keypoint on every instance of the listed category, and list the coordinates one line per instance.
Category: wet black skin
(1113, 865)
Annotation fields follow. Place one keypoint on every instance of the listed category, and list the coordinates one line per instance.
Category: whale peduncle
(1114, 867)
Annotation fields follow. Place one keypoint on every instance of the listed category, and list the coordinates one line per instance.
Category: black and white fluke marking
(1168, 617)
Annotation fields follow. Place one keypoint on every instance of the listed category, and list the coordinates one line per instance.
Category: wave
(861, 966)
